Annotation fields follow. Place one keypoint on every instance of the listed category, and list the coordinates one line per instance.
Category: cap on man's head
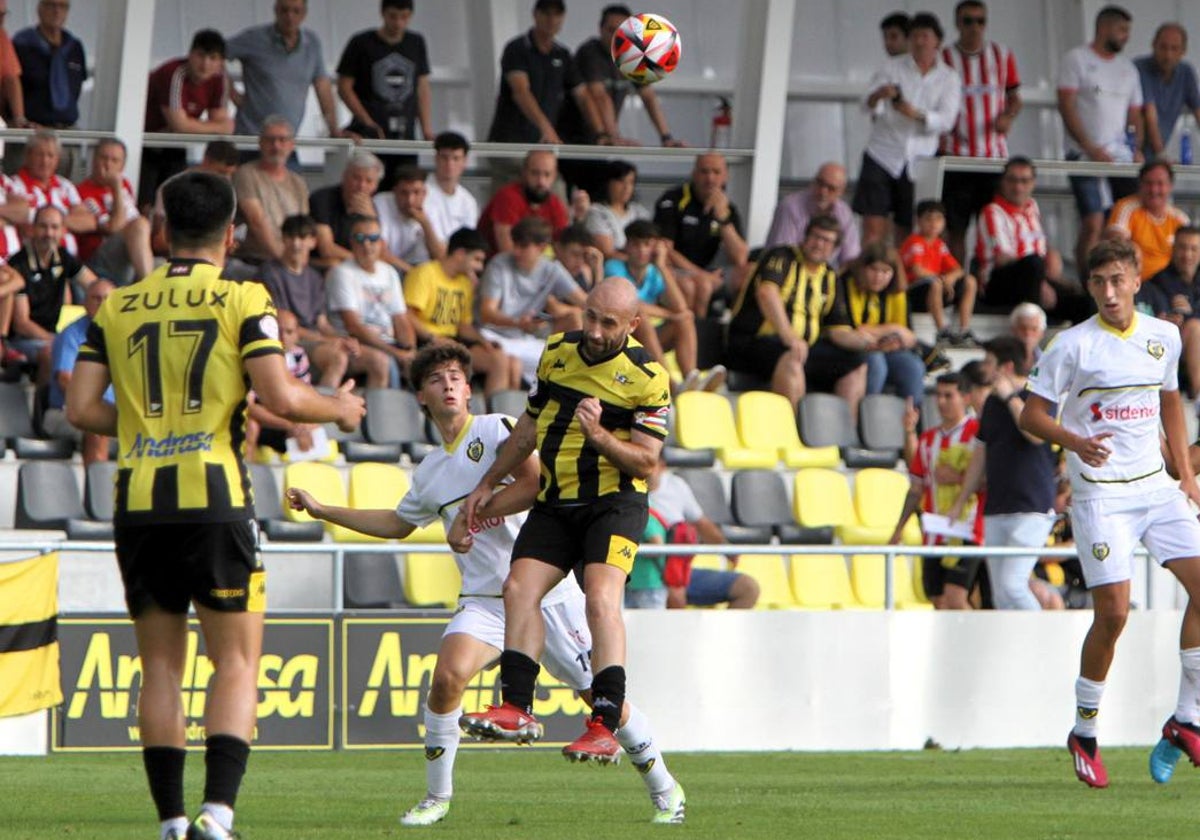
(550, 6)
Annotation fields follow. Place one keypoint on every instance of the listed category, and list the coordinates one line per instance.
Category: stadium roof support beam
(123, 47)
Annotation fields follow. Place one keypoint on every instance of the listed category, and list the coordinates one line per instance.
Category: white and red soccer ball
(646, 48)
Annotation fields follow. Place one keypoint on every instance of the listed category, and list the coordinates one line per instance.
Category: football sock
(1187, 709)
(441, 746)
(518, 673)
(608, 696)
(177, 824)
(637, 739)
(164, 771)
(225, 758)
(1087, 706)
(223, 814)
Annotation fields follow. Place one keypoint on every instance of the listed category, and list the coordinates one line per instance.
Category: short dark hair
(956, 379)
(1150, 165)
(1111, 250)
(824, 221)
(432, 356)
(466, 239)
(199, 207)
(300, 224)
(615, 9)
(926, 20)
(355, 219)
(641, 230)
(1018, 160)
(550, 6)
(402, 5)
(896, 20)
(1008, 348)
(576, 234)
(209, 42)
(1187, 230)
(222, 152)
(618, 169)
(532, 230)
(968, 4)
(450, 140)
(1111, 13)
(972, 375)
(930, 205)
(408, 174)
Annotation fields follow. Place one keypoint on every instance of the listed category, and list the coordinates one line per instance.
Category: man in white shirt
(448, 204)
(914, 98)
(1099, 97)
(408, 236)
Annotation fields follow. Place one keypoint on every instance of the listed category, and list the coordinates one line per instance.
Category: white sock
(177, 824)
(637, 738)
(1087, 706)
(1187, 709)
(441, 746)
(223, 814)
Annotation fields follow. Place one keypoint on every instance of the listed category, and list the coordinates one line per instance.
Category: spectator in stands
(1019, 471)
(894, 29)
(778, 312)
(705, 230)
(187, 95)
(614, 208)
(978, 379)
(1012, 255)
(1099, 95)
(528, 196)
(118, 245)
(1168, 86)
(656, 582)
(408, 236)
(991, 100)
(870, 315)
(53, 67)
(383, 78)
(267, 191)
(364, 300)
(64, 349)
(297, 287)
(332, 207)
(49, 273)
(440, 297)
(1149, 218)
(448, 204)
(523, 296)
(666, 322)
(822, 198)
(1173, 294)
(38, 184)
(935, 277)
(280, 61)
(1027, 322)
(913, 98)
(936, 468)
(267, 428)
(220, 158)
(576, 251)
(12, 96)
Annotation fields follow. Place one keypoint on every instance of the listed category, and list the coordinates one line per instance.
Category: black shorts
(964, 194)
(215, 564)
(827, 363)
(879, 194)
(607, 530)
(756, 355)
(936, 572)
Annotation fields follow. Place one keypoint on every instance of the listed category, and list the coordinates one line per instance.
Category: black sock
(164, 770)
(225, 760)
(518, 673)
(608, 696)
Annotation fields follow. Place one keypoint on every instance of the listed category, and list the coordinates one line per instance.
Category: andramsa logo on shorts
(1100, 551)
(172, 444)
(1122, 412)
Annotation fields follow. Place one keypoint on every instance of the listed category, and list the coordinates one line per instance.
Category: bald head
(610, 315)
(614, 293)
(828, 186)
(709, 175)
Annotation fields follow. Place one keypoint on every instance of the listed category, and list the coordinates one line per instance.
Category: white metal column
(490, 25)
(123, 58)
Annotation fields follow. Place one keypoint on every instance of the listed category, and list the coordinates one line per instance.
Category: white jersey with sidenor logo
(443, 480)
(1110, 381)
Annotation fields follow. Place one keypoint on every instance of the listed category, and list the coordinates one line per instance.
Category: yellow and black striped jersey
(857, 307)
(174, 344)
(807, 295)
(634, 393)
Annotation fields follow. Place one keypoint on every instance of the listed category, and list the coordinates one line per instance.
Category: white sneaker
(713, 380)
(426, 812)
(691, 382)
(669, 808)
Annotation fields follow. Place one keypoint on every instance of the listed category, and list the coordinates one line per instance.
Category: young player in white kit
(1114, 376)
(474, 637)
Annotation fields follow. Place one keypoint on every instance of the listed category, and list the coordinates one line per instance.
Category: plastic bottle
(722, 125)
(1185, 148)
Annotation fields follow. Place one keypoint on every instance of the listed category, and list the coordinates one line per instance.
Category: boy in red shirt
(928, 261)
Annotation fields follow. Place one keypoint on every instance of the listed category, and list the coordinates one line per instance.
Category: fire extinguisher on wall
(722, 125)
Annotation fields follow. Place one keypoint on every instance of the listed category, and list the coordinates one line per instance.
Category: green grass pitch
(511, 793)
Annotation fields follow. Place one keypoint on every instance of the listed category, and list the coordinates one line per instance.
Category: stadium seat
(48, 498)
(431, 580)
(17, 432)
(324, 483)
(268, 510)
(98, 490)
(824, 420)
(69, 314)
(705, 421)
(881, 422)
(775, 593)
(821, 498)
(712, 562)
(706, 485)
(759, 498)
(511, 402)
(866, 576)
(394, 424)
(821, 582)
(878, 500)
(478, 403)
(767, 420)
(374, 486)
(675, 455)
(371, 581)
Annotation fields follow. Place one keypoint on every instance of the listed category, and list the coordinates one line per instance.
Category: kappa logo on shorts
(1100, 551)
(1155, 348)
(475, 450)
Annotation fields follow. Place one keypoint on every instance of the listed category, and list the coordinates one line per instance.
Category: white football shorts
(1107, 532)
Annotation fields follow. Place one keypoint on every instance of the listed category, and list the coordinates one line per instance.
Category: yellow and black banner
(29, 676)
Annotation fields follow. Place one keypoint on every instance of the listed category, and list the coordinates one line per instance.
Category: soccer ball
(646, 48)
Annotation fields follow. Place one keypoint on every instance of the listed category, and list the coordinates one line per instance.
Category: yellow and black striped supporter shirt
(174, 345)
(807, 295)
(634, 393)
(857, 307)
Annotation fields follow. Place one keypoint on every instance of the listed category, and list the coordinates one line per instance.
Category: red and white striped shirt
(930, 446)
(98, 199)
(1009, 230)
(57, 192)
(987, 77)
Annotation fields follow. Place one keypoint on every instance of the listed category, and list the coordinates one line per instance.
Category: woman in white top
(606, 220)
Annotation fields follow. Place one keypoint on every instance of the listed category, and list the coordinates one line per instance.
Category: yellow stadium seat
(704, 420)
(821, 582)
(431, 580)
(821, 497)
(768, 421)
(878, 499)
(775, 593)
(712, 562)
(324, 483)
(866, 577)
(374, 486)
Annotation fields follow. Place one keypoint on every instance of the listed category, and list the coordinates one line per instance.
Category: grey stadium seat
(881, 422)
(759, 499)
(372, 581)
(706, 485)
(268, 510)
(824, 420)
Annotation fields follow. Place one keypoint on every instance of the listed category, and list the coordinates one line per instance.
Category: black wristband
(666, 137)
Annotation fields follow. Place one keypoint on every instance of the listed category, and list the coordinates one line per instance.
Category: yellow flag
(29, 676)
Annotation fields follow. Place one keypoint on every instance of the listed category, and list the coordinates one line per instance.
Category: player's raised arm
(382, 522)
(287, 396)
